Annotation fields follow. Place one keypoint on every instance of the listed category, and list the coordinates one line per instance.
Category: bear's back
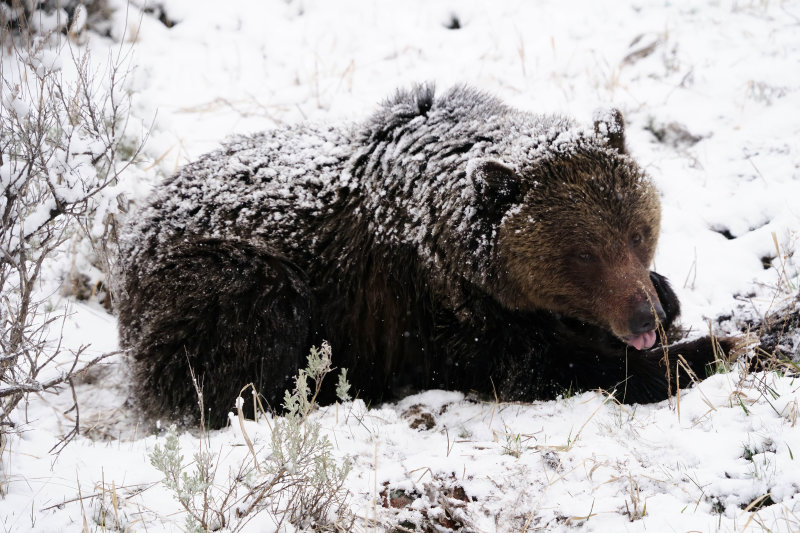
(263, 187)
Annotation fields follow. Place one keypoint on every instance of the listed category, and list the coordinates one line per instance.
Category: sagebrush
(296, 477)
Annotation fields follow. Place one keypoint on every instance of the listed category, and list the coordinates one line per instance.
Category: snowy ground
(710, 91)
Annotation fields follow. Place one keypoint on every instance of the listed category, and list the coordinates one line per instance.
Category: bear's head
(577, 235)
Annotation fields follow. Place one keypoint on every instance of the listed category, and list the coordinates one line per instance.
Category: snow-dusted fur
(393, 240)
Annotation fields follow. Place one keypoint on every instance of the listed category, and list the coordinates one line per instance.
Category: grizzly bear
(449, 241)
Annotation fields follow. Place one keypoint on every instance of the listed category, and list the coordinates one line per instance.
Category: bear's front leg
(656, 373)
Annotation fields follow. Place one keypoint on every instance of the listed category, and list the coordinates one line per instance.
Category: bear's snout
(645, 317)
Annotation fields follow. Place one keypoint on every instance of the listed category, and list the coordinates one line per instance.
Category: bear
(448, 241)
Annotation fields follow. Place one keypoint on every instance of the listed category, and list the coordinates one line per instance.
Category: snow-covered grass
(710, 92)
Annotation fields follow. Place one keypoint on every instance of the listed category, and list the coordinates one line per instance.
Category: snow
(725, 72)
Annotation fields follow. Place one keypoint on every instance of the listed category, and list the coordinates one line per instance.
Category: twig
(47, 385)
(240, 412)
(75, 429)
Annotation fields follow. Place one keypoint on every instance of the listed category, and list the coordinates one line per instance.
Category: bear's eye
(584, 257)
(636, 239)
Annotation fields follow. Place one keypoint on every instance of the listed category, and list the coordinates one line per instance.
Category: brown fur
(582, 246)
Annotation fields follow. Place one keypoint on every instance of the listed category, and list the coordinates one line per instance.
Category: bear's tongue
(643, 341)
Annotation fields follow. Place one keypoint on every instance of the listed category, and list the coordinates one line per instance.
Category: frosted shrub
(343, 387)
(62, 131)
(191, 489)
(298, 480)
(40, 17)
(308, 480)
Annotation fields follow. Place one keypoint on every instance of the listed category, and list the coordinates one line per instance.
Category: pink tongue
(643, 341)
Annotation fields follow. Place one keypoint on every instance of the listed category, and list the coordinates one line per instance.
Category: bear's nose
(643, 318)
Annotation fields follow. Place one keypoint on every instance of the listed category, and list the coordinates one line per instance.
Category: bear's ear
(496, 184)
(610, 125)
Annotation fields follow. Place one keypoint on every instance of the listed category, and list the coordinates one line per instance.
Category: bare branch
(59, 153)
(36, 386)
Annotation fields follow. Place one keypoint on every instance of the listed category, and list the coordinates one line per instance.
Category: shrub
(298, 479)
(62, 141)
